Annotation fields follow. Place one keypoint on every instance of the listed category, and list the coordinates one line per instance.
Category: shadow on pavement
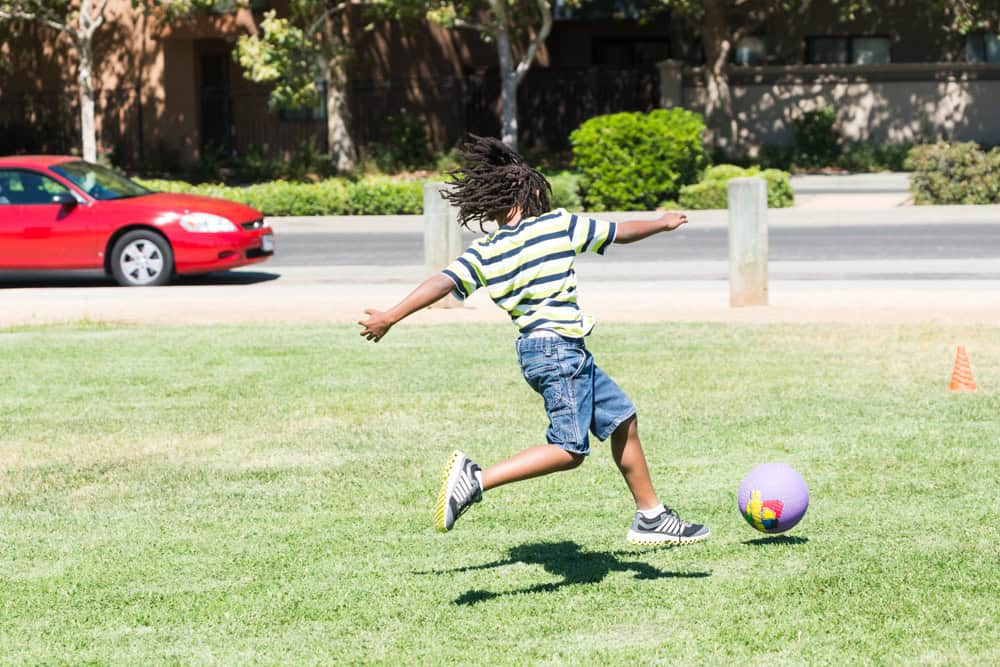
(29, 279)
(566, 560)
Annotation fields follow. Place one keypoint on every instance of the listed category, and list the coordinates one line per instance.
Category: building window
(750, 51)
(854, 50)
(603, 10)
(305, 114)
(629, 51)
(982, 47)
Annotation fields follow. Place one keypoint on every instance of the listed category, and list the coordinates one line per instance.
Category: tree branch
(37, 18)
(330, 11)
(529, 56)
(462, 23)
(99, 21)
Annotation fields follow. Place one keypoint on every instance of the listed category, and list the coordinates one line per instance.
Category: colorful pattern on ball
(762, 514)
(772, 498)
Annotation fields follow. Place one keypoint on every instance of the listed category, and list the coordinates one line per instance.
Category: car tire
(142, 258)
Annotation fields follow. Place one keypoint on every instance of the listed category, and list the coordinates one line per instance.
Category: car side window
(27, 187)
(5, 187)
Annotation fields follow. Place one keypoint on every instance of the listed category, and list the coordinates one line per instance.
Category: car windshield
(99, 182)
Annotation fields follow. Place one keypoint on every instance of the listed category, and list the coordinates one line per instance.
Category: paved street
(804, 243)
(907, 264)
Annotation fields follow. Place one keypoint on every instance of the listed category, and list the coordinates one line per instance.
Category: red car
(64, 213)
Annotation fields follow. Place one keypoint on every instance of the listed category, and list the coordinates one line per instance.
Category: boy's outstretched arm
(378, 322)
(636, 230)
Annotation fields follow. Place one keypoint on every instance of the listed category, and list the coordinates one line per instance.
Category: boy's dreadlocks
(493, 180)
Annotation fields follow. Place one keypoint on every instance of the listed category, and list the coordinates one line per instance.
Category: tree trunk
(88, 127)
(343, 152)
(719, 113)
(342, 149)
(508, 77)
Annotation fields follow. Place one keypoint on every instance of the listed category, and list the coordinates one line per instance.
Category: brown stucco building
(169, 93)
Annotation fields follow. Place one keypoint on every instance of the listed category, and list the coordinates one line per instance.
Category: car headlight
(206, 222)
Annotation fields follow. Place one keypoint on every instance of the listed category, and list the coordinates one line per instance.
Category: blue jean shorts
(579, 396)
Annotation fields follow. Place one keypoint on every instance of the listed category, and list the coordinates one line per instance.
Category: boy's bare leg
(627, 452)
(532, 462)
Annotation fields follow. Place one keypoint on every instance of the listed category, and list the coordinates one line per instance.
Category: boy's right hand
(376, 325)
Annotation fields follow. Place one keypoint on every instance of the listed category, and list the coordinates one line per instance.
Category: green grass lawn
(264, 495)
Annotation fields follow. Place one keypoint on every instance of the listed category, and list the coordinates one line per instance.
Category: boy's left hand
(673, 219)
(376, 325)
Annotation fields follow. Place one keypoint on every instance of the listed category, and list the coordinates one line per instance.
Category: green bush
(637, 160)
(405, 149)
(863, 156)
(712, 191)
(960, 173)
(565, 190)
(385, 197)
(817, 141)
(335, 196)
(283, 198)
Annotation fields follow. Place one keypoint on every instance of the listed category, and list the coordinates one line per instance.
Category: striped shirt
(528, 270)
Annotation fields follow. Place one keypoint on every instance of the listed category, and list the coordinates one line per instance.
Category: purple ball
(773, 497)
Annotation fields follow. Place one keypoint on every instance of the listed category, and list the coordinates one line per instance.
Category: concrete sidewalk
(885, 182)
(852, 191)
(310, 295)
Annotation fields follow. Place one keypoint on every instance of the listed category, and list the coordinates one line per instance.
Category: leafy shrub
(385, 197)
(855, 157)
(335, 196)
(283, 198)
(712, 191)
(863, 156)
(406, 147)
(960, 173)
(637, 160)
(565, 190)
(817, 141)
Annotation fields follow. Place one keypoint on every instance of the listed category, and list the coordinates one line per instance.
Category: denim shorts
(579, 396)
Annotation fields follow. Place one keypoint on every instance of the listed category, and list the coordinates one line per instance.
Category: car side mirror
(64, 199)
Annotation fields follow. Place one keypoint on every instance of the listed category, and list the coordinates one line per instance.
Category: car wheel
(142, 258)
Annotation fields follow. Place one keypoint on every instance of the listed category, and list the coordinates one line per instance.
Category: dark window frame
(307, 114)
(601, 41)
(850, 39)
(982, 57)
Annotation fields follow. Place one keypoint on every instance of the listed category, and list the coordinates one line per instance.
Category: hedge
(330, 197)
(636, 161)
(712, 192)
(565, 190)
(960, 173)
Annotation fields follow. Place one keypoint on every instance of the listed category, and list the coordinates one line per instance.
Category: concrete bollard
(747, 242)
(442, 236)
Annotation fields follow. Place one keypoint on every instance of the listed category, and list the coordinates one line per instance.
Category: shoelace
(672, 523)
(468, 488)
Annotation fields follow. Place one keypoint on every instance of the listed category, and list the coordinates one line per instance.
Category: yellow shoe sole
(442, 498)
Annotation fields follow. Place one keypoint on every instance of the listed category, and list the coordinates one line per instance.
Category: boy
(527, 267)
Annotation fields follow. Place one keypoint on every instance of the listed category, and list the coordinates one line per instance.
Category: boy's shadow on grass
(787, 540)
(566, 560)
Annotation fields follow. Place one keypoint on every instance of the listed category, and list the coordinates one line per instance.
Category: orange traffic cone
(961, 376)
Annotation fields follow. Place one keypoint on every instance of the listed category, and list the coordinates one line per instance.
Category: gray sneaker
(667, 528)
(459, 489)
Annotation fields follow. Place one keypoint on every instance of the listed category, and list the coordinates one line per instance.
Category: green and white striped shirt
(528, 270)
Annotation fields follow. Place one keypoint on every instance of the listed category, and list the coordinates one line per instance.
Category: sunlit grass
(263, 494)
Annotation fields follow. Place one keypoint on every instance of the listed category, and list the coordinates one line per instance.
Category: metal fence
(551, 104)
(49, 122)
